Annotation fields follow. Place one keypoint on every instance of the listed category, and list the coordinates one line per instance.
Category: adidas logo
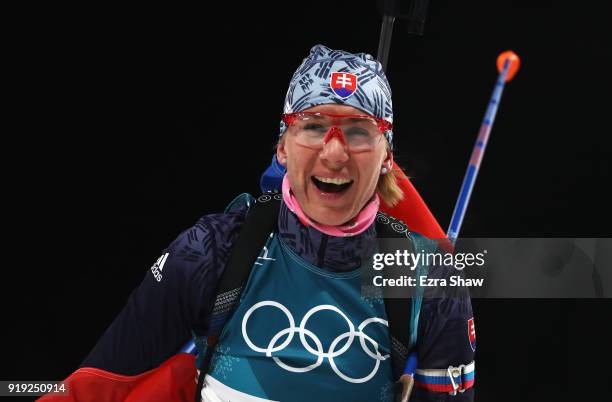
(158, 267)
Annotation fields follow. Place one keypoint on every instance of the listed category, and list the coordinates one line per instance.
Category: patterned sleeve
(446, 337)
(444, 341)
(175, 297)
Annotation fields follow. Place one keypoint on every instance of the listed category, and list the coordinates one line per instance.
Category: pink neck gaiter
(357, 225)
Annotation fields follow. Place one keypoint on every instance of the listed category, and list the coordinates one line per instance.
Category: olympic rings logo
(330, 354)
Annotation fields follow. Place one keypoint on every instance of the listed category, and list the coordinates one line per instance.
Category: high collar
(328, 252)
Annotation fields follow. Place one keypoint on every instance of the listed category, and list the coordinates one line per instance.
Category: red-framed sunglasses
(357, 132)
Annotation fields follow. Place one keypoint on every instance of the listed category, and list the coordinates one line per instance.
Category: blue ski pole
(508, 64)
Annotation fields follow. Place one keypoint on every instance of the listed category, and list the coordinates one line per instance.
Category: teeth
(337, 181)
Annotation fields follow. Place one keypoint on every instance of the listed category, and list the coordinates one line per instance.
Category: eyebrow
(356, 118)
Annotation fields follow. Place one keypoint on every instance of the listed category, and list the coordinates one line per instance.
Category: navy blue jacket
(175, 299)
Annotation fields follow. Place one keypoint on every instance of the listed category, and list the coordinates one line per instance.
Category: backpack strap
(403, 333)
(260, 221)
(402, 314)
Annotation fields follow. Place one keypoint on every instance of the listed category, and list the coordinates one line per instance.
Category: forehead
(336, 109)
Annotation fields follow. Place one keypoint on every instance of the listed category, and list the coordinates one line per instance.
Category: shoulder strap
(260, 221)
(403, 315)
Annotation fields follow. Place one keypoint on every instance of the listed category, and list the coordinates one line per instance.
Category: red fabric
(444, 387)
(173, 381)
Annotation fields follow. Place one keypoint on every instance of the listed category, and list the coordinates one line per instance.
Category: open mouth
(328, 185)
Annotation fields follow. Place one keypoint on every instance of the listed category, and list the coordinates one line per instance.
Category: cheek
(372, 177)
(371, 171)
(300, 162)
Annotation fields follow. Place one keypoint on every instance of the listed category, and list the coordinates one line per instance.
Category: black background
(130, 123)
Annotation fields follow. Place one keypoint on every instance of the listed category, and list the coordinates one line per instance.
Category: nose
(334, 131)
(335, 151)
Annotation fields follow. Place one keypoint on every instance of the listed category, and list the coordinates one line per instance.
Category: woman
(292, 336)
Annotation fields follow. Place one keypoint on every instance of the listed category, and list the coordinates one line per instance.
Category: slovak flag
(472, 333)
(343, 84)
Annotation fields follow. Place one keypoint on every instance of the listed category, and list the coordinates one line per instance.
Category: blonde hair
(388, 189)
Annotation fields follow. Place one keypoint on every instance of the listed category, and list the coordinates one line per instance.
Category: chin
(330, 217)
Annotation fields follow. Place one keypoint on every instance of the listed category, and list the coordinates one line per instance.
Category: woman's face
(308, 169)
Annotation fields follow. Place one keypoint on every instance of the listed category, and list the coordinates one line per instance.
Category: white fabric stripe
(215, 391)
(444, 372)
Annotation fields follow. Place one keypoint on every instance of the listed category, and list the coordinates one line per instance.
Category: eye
(356, 132)
(314, 127)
